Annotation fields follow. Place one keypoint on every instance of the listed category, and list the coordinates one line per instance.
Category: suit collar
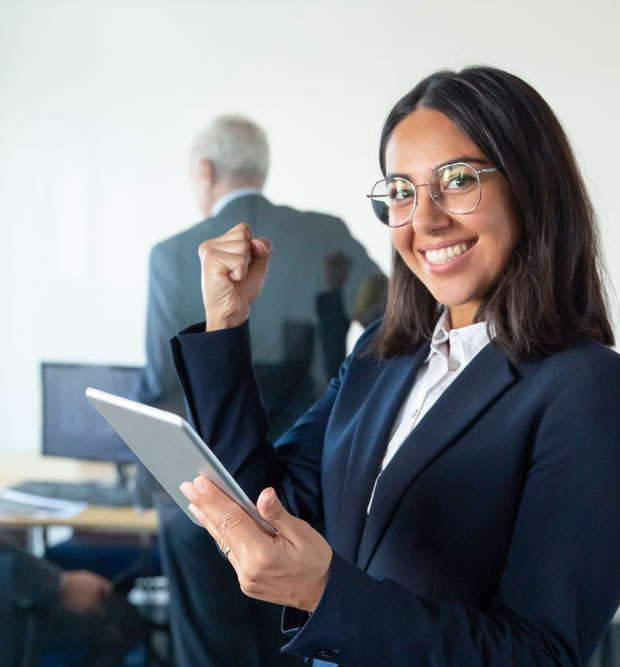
(230, 197)
(238, 205)
(368, 446)
(487, 376)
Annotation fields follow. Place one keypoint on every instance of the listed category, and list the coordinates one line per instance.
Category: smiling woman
(465, 461)
(548, 291)
(457, 256)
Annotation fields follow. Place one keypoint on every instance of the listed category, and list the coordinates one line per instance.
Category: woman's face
(419, 144)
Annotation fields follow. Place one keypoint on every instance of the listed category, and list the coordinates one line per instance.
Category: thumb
(262, 246)
(272, 510)
(261, 252)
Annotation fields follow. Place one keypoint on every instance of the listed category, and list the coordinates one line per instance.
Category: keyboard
(93, 493)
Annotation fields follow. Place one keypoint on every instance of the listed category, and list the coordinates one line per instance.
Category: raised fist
(234, 268)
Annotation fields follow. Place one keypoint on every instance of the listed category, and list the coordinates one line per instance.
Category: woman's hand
(234, 268)
(288, 568)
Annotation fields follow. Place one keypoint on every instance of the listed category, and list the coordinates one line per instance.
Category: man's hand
(84, 592)
(288, 568)
(234, 268)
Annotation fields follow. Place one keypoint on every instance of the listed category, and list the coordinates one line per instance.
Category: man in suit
(298, 339)
(43, 608)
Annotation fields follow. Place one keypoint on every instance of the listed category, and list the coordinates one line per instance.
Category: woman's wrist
(219, 322)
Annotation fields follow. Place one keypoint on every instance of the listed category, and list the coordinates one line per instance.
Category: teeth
(444, 255)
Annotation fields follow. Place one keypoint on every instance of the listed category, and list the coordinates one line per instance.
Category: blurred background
(100, 101)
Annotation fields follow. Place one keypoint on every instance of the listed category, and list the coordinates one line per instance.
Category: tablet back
(170, 448)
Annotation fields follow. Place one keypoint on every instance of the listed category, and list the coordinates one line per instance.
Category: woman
(465, 461)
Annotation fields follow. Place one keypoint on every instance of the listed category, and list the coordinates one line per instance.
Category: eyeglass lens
(454, 188)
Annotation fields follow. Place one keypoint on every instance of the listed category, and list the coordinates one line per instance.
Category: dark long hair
(551, 292)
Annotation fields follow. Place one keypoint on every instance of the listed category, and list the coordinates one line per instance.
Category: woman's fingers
(288, 568)
(309, 555)
(275, 514)
(227, 522)
(239, 238)
(231, 262)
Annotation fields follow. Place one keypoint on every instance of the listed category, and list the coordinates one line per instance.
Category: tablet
(170, 448)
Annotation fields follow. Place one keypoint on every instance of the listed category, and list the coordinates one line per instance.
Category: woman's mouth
(447, 253)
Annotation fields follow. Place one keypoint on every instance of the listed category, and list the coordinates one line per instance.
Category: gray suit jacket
(284, 318)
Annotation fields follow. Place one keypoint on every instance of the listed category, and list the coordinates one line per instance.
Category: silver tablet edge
(239, 494)
(104, 396)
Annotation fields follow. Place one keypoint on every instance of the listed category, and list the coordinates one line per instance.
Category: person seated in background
(45, 609)
(299, 340)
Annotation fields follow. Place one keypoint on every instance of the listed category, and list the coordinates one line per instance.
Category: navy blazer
(493, 535)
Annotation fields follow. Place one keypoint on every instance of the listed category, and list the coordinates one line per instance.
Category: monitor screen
(71, 425)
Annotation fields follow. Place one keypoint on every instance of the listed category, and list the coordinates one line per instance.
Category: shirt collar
(224, 200)
(465, 343)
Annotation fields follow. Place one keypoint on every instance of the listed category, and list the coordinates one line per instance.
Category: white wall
(100, 100)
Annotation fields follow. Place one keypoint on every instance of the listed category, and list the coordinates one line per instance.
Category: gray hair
(236, 147)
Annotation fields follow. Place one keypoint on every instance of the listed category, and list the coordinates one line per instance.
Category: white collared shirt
(224, 200)
(451, 351)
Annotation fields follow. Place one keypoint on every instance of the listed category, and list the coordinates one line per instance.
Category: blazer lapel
(485, 378)
(368, 447)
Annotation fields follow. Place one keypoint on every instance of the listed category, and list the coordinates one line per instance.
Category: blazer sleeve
(224, 403)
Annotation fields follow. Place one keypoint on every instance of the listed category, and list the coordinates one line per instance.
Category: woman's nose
(427, 215)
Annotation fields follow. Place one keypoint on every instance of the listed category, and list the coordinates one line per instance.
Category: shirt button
(327, 654)
(454, 365)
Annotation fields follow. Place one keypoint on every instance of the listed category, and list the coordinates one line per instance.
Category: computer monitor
(71, 425)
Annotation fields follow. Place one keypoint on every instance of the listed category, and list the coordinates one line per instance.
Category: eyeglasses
(455, 189)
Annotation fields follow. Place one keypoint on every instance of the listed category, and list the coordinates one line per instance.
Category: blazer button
(327, 654)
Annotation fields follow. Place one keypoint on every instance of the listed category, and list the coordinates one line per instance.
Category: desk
(116, 520)
(17, 467)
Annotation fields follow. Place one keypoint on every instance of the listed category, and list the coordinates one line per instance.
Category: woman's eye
(457, 182)
(455, 178)
(400, 194)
